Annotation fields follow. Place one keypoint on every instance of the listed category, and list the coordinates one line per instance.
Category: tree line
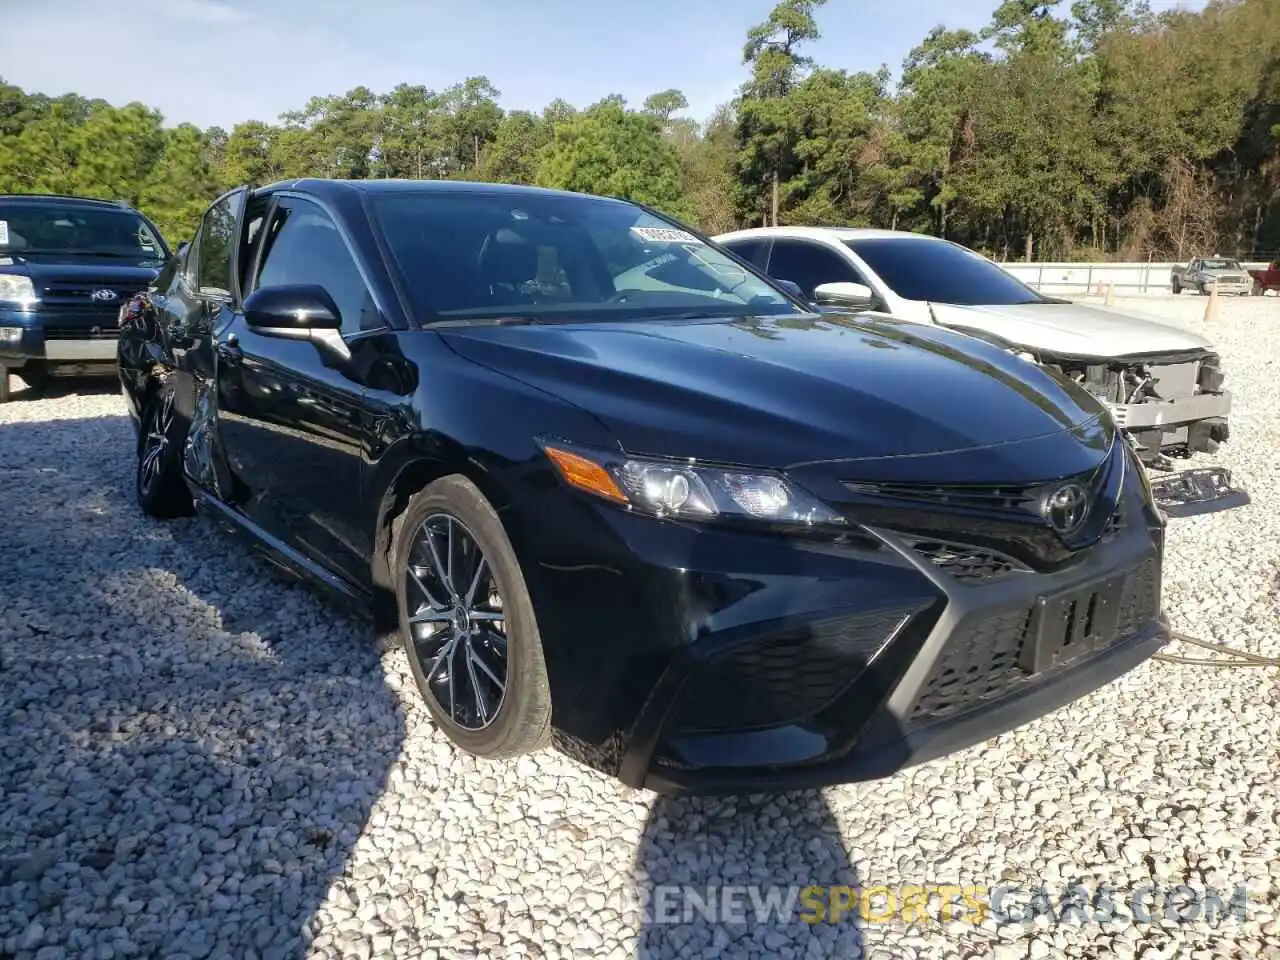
(1096, 130)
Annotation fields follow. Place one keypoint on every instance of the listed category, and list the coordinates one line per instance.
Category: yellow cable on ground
(1238, 658)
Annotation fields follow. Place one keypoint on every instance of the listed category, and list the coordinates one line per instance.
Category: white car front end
(1162, 384)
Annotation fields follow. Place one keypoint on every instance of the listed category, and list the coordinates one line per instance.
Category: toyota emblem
(104, 295)
(1066, 508)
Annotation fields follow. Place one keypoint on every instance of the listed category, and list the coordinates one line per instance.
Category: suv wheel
(4, 384)
(160, 488)
(467, 623)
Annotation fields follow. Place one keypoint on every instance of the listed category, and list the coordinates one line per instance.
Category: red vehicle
(1268, 279)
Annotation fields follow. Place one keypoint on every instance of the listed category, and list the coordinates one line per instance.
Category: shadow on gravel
(56, 388)
(189, 745)
(727, 877)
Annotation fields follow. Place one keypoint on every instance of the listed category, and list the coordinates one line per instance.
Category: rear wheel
(467, 623)
(159, 484)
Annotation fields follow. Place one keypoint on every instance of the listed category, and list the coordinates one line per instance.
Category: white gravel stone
(200, 759)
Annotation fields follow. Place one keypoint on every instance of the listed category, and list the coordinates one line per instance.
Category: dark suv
(67, 265)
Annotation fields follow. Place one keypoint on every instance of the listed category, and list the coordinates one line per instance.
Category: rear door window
(749, 249)
(808, 265)
(213, 250)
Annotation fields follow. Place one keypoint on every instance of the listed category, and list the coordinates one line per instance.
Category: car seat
(506, 263)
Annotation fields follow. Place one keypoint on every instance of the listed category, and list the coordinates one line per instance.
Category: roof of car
(829, 233)
(322, 187)
(63, 198)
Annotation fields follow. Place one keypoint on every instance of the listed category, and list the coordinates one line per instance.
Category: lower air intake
(785, 678)
(985, 659)
(967, 564)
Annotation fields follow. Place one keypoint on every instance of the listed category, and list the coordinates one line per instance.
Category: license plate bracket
(1071, 624)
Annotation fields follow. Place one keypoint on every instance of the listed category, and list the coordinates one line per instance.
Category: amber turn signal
(586, 474)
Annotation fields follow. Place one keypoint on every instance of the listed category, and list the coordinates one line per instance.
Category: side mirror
(297, 311)
(856, 296)
(792, 288)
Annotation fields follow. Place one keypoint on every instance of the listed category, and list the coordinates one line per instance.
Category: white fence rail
(1127, 279)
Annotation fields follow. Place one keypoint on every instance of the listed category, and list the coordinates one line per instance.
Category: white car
(1163, 384)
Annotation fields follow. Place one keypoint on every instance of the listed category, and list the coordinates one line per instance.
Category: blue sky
(222, 61)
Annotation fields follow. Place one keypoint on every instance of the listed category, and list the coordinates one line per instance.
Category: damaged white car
(1163, 384)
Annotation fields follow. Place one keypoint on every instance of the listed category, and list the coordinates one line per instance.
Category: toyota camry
(615, 490)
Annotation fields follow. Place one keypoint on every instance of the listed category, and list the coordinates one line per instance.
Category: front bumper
(891, 753)
(748, 663)
(1170, 414)
(1228, 286)
(53, 339)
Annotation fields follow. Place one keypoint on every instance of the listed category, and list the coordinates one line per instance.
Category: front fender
(468, 419)
(143, 360)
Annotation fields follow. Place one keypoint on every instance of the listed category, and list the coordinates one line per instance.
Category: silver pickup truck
(1204, 273)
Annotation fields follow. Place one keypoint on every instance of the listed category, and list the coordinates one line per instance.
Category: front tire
(4, 384)
(160, 488)
(1177, 288)
(467, 623)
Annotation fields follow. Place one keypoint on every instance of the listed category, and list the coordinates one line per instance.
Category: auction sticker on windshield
(664, 235)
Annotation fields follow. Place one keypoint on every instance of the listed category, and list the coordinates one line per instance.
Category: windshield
(1219, 265)
(941, 272)
(475, 255)
(70, 229)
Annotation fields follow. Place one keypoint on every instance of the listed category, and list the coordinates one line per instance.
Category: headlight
(16, 289)
(685, 491)
(10, 334)
(1144, 481)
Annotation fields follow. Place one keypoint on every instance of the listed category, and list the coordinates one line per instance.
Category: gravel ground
(200, 759)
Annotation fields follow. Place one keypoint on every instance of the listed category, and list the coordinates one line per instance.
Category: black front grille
(1000, 498)
(78, 295)
(985, 659)
(1007, 523)
(967, 564)
(786, 678)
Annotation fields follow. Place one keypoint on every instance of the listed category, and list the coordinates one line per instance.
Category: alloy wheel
(456, 622)
(156, 444)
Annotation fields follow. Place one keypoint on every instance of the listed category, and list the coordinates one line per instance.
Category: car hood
(1073, 329)
(779, 391)
(46, 267)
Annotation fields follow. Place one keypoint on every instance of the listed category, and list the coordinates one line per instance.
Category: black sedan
(616, 490)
